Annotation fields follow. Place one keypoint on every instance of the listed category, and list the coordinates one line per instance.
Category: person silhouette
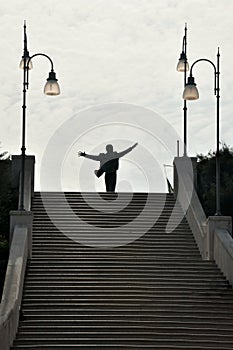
(109, 164)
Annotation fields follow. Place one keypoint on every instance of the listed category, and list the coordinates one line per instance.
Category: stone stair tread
(80, 296)
(85, 317)
(135, 333)
(215, 343)
(124, 324)
(116, 346)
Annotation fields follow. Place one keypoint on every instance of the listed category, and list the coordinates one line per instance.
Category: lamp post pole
(51, 88)
(23, 148)
(218, 207)
(184, 67)
(185, 102)
(191, 93)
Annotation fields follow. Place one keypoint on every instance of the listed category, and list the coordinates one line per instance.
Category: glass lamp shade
(21, 65)
(181, 63)
(190, 92)
(181, 66)
(51, 87)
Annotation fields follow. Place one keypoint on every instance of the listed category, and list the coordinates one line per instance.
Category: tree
(206, 172)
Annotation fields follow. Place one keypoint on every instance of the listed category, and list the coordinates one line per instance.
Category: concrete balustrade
(185, 192)
(223, 252)
(214, 225)
(212, 235)
(20, 251)
(28, 180)
(22, 218)
(13, 287)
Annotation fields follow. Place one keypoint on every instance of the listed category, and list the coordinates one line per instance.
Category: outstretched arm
(121, 154)
(90, 156)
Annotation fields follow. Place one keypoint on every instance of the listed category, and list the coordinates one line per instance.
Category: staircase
(154, 292)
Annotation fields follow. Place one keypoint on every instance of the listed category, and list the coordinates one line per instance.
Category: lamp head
(190, 92)
(181, 63)
(24, 61)
(51, 87)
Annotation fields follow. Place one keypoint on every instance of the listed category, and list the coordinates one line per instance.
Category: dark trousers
(110, 181)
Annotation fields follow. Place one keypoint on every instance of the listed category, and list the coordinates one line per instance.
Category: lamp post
(51, 88)
(191, 93)
(183, 66)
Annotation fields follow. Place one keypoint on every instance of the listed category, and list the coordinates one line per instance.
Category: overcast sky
(109, 55)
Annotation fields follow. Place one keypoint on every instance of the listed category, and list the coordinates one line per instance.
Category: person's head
(109, 148)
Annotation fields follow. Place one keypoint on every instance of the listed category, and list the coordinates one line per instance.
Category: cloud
(113, 51)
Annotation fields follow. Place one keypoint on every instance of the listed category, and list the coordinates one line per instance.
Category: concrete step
(69, 253)
(130, 264)
(168, 279)
(151, 238)
(94, 297)
(116, 273)
(166, 308)
(166, 290)
(65, 317)
(38, 322)
(129, 340)
(150, 333)
(118, 346)
(221, 291)
(40, 255)
(158, 250)
(131, 311)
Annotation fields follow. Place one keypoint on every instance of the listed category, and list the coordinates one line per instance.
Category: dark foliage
(206, 170)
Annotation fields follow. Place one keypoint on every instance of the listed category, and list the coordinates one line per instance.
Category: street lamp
(191, 93)
(51, 88)
(183, 66)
